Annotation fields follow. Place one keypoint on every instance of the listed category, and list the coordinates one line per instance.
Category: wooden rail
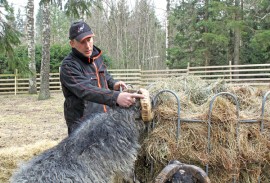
(253, 74)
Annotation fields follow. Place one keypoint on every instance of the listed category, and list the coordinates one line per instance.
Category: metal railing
(208, 150)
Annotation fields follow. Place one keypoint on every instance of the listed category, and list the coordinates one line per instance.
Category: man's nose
(87, 45)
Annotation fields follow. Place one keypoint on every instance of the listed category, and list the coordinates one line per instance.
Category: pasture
(28, 127)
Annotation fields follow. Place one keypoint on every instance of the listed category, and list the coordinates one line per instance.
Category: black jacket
(86, 85)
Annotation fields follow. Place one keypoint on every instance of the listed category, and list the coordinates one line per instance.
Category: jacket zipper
(99, 85)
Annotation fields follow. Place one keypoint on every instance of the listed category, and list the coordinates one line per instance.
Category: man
(87, 86)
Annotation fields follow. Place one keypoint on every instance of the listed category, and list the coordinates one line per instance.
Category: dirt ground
(25, 120)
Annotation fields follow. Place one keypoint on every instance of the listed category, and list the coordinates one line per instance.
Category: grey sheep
(104, 146)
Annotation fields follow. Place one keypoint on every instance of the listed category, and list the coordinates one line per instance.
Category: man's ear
(71, 42)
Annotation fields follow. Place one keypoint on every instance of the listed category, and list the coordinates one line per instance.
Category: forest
(199, 32)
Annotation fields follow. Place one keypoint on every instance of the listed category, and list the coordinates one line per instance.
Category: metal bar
(209, 122)
(178, 110)
(192, 120)
(263, 106)
(249, 121)
(262, 119)
(178, 120)
(201, 121)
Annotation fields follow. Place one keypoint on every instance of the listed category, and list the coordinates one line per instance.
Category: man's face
(85, 47)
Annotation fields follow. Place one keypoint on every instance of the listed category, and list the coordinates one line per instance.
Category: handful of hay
(238, 151)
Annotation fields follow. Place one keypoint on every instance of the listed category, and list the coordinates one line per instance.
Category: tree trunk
(167, 27)
(126, 46)
(237, 37)
(139, 61)
(45, 61)
(207, 52)
(31, 47)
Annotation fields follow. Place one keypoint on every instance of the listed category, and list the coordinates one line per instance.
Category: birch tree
(31, 47)
(45, 61)
(167, 24)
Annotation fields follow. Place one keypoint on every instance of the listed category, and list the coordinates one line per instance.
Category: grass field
(25, 120)
(27, 127)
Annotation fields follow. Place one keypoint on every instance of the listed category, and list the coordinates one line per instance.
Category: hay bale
(243, 159)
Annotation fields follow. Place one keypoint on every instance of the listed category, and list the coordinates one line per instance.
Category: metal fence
(209, 123)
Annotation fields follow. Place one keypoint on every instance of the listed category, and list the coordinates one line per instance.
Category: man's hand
(125, 99)
(119, 84)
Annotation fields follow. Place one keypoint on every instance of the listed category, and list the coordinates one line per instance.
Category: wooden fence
(255, 74)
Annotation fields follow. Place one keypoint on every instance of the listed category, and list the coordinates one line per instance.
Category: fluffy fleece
(104, 146)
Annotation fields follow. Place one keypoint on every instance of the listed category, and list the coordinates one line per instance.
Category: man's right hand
(125, 99)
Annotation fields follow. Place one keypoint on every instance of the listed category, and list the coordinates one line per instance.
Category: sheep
(177, 172)
(104, 146)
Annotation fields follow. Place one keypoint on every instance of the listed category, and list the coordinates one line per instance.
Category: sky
(160, 6)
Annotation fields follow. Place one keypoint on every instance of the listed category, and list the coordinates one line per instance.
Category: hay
(11, 157)
(243, 159)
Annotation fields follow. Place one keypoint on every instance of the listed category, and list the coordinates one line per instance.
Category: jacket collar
(96, 54)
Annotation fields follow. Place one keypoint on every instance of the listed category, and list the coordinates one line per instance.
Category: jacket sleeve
(84, 88)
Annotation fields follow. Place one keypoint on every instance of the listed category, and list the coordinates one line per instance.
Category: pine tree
(9, 36)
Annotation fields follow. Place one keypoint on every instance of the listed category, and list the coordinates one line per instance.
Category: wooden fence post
(188, 68)
(230, 64)
(60, 86)
(187, 73)
(140, 68)
(15, 82)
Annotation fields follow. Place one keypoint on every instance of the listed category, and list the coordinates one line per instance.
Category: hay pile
(12, 156)
(243, 159)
